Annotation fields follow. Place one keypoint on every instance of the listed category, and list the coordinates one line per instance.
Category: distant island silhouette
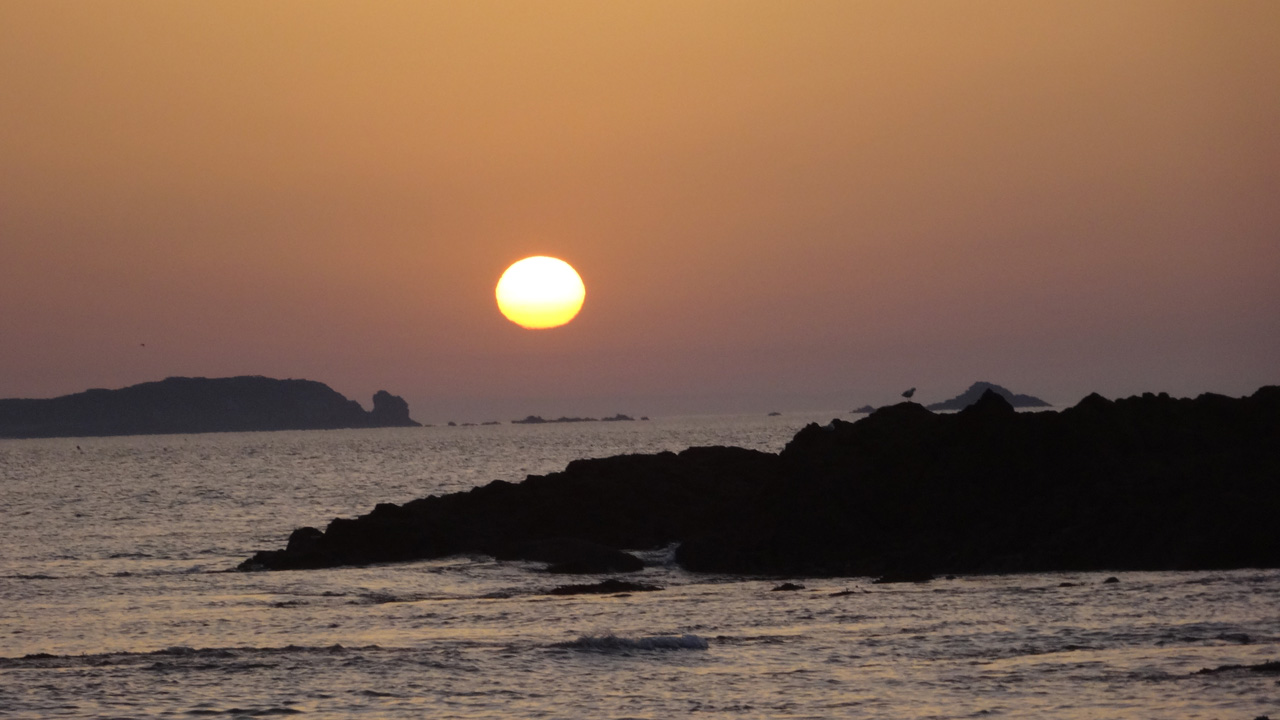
(975, 393)
(538, 419)
(199, 405)
(1149, 482)
(969, 397)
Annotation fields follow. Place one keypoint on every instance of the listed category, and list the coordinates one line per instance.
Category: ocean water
(116, 600)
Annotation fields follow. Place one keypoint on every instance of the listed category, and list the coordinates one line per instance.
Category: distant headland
(1149, 482)
(199, 405)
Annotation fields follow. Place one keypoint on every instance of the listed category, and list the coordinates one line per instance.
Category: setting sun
(540, 292)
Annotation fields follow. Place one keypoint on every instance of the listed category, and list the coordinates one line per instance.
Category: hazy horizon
(773, 206)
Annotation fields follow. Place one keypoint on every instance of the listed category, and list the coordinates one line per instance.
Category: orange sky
(773, 205)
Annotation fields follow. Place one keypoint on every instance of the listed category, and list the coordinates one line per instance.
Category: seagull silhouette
(909, 393)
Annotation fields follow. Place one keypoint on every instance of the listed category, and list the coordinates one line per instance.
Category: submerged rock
(1266, 668)
(604, 587)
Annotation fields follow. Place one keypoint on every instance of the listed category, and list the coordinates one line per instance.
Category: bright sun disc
(540, 292)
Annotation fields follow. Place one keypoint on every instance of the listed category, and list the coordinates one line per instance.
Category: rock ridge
(1148, 482)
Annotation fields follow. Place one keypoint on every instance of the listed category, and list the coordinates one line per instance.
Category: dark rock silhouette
(630, 501)
(196, 405)
(538, 419)
(303, 539)
(1267, 668)
(1146, 482)
(976, 391)
(864, 410)
(390, 411)
(604, 587)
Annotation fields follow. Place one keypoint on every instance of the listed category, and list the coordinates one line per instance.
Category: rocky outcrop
(978, 389)
(1148, 482)
(390, 411)
(197, 405)
(629, 501)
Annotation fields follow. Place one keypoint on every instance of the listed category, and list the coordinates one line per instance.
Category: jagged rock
(390, 411)
(629, 501)
(303, 539)
(1147, 482)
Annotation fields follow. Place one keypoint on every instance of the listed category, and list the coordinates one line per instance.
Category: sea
(119, 599)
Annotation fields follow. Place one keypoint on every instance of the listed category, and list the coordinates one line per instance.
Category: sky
(773, 205)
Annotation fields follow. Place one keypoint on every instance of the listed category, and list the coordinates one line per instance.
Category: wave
(246, 712)
(93, 575)
(612, 642)
(180, 652)
(660, 557)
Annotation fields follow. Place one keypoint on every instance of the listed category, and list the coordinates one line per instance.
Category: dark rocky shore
(197, 405)
(1148, 482)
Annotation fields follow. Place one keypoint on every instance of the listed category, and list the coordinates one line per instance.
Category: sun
(540, 292)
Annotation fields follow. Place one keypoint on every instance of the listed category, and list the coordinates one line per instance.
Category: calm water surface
(115, 602)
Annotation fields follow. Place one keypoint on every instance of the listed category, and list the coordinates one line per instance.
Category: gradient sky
(774, 205)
